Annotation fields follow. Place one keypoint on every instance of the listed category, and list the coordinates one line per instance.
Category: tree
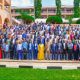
(54, 19)
(37, 8)
(58, 4)
(76, 8)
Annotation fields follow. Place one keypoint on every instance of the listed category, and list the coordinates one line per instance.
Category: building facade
(5, 12)
(46, 11)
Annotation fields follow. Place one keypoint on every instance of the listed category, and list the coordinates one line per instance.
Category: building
(46, 11)
(5, 12)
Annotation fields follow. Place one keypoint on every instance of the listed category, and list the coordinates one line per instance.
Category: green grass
(36, 74)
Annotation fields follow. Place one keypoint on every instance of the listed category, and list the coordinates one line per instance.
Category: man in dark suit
(54, 50)
(35, 50)
(30, 51)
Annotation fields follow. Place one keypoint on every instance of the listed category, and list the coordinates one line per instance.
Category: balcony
(7, 2)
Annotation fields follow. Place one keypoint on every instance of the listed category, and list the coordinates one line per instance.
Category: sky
(25, 3)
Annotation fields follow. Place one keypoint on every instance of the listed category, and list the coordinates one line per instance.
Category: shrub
(27, 18)
(54, 19)
(78, 21)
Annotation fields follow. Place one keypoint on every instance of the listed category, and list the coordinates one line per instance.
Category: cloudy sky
(25, 3)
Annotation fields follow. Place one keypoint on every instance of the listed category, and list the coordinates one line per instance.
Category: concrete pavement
(40, 64)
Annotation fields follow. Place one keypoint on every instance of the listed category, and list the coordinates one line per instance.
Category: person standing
(75, 51)
(65, 54)
(47, 50)
(54, 49)
(19, 50)
(11, 50)
(0, 52)
(41, 51)
(60, 50)
(70, 50)
(25, 48)
(7, 51)
(79, 50)
(35, 51)
(30, 51)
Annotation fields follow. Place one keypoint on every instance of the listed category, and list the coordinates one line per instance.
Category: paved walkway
(40, 64)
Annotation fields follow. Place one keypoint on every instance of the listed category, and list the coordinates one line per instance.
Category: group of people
(40, 41)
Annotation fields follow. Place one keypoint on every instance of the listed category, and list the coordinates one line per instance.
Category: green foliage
(26, 18)
(38, 8)
(24, 15)
(18, 17)
(21, 11)
(76, 8)
(58, 4)
(18, 10)
(78, 21)
(54, 19)
(70, 19)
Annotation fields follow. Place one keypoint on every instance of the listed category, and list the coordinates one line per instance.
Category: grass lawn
(36, 74)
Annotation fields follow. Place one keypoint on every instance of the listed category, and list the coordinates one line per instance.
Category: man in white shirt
(19, 51)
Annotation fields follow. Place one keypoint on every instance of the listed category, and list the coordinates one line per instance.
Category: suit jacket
(54, 48)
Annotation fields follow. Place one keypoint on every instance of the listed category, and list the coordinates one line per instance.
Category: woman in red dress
(0, 52)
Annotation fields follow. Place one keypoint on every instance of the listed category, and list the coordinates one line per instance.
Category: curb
(42, 67)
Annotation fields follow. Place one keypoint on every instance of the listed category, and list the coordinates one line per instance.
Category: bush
(26, 18)
(29, 19)
(78, 21)
(54, 19)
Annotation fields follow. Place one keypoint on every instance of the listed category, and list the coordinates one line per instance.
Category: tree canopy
(37, 8)
(76, 8)
(58, 5)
